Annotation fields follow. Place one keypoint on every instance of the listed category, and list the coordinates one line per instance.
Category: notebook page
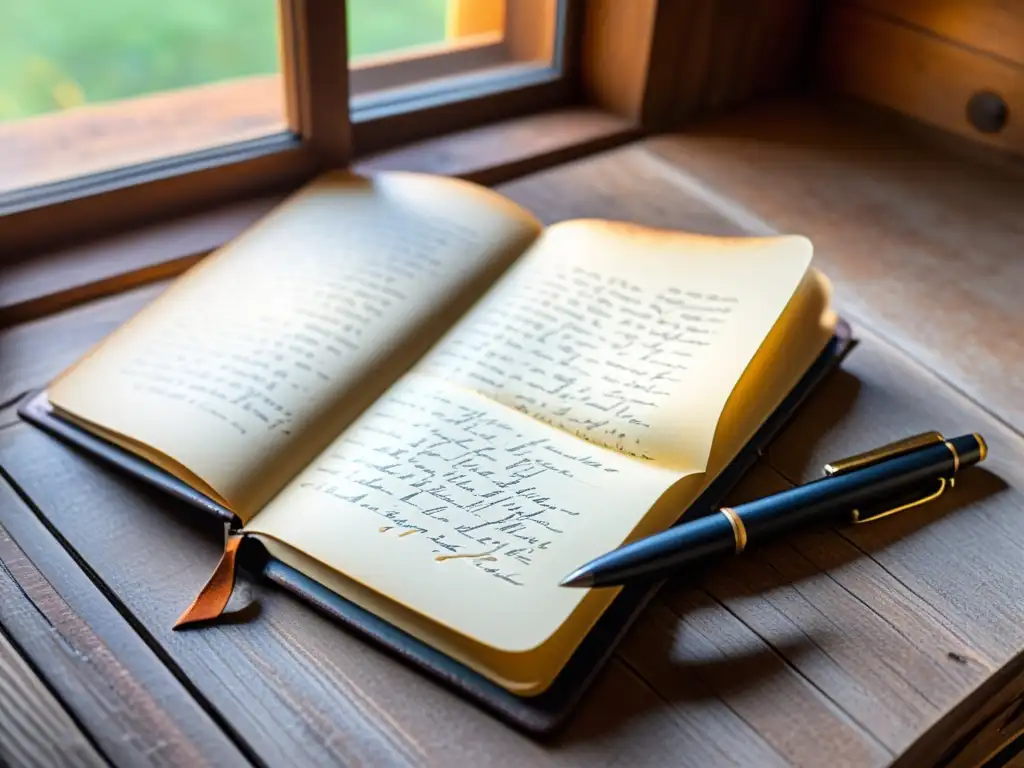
(251, 362)
(463, 509)
(541, 431)
(626, 337)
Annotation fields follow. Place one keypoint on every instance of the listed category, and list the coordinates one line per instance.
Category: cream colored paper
(476, 457)
(249, 364)
(463, 509)
(626, 337)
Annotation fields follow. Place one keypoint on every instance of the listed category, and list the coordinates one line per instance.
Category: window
(92, 85)
(116, 112)
(428, 50)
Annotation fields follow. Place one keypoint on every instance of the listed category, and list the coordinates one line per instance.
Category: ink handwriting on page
(307, 320)
(462, 478)
(593, 354)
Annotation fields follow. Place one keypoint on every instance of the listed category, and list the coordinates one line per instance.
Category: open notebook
(430, 407)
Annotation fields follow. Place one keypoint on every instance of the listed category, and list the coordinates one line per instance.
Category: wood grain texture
(661, 62)
(923, 243)
(502, 151)
(625, 184)
(131, 705)
(995, 27)
(616, 55)
(731, 677)
(57, 280)
(722, 53)
(919, 74)
(944, 579)
(35, 729)
(315, 54)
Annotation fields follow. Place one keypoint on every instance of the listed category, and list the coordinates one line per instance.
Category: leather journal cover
(537, 715)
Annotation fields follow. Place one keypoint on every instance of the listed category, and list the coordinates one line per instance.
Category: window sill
(60, 279)
(51, 148)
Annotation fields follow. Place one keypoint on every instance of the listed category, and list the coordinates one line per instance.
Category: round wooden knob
(988, 112)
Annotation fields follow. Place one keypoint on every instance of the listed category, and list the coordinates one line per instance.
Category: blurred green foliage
(56, 54)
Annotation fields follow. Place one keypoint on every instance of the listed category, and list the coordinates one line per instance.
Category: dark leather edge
(36, 410)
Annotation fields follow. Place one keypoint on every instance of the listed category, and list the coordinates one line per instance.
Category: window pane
(396, 26)
(404, 50)
(93, 85)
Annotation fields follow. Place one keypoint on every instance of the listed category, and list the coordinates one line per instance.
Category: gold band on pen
(739, 530)
(956, 456)
(982, 447)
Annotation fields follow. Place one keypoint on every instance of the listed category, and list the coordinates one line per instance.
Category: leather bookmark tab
(213, 598)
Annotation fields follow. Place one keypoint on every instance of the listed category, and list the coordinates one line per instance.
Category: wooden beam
(616, 48)
(317, 64)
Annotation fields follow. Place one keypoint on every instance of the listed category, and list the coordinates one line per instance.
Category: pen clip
(899, 448)
(875, 455)
(867, 516)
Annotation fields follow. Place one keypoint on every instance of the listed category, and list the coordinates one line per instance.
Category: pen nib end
(577, 579)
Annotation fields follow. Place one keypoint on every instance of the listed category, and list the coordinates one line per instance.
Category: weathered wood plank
(923, 242)
(623, 184)
(134, 709)
(945, 577)
(697, 649)
(735, 689)
(35, 729)
(50, 282)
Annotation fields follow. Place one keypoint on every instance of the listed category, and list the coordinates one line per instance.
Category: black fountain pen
(859, 489)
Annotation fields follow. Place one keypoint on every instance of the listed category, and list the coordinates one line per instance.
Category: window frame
(324, 127)
(630, 70)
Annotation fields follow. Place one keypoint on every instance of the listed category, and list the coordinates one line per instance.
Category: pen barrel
(853, 494)
(702, 540)
(861, 494)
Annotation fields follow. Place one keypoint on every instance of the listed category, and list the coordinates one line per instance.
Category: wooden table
(898, 642)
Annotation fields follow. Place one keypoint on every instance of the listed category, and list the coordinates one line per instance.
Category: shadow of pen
(667, 662)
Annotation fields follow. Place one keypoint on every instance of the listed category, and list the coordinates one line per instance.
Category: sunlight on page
(626, 337)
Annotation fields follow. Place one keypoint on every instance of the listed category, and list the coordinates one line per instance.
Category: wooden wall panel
(662, 62)
(993, 26)
(616, 50)
(924, 58)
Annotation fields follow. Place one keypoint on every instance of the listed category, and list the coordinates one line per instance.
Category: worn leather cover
(538, 715)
